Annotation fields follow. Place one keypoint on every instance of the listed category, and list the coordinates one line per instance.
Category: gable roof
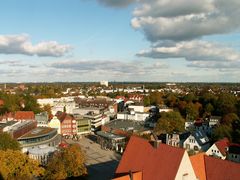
(199, 165)
(211, 168)
(222, 145)
(21, 115)
(154, 163)
(63, 116)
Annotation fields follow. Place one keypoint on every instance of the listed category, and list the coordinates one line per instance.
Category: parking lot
(101, 163)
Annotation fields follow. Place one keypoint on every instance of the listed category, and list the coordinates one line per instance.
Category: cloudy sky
(120, 40)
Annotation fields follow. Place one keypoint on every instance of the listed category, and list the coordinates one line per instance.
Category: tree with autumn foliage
(16, 165)
(170, 122)
(66, 163)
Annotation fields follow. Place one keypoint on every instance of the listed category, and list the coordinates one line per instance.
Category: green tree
(7, 142)
(208, 109)
(221, 132)
(192, 110)
(48, 109)
(68, 162)
(16, 165)
(170, 122)
(226, 103)
(156, 98)
(171, 100)
(146, 101)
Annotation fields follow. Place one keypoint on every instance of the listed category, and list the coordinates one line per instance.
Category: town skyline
(122, 41)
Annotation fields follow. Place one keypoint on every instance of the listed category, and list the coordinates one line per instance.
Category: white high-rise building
(104, 83)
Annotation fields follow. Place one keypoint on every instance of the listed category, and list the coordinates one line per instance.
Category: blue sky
(128, 40)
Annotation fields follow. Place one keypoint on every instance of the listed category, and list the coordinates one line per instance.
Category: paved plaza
(101, 163)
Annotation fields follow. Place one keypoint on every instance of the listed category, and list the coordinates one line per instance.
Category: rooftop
(126, 125)
(39, 131)
(8, 123)
(211, 168)
(41, 150)
(109, 135)
(222, 145)
(24, 115)
(155, 163)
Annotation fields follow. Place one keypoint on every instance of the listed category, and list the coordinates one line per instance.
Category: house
(67, 124)
(197, 141)
(24, 115)
(203, 126)
(176, 139)
(155, 161)
(219, 149)
(210, 168)
(136, 97)
(234, 153)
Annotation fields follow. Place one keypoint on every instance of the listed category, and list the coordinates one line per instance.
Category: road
(101, 164)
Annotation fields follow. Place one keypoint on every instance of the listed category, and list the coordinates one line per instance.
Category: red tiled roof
(221, 169)
(155, 163)
(21, 115)
(64, 116)
(199, 165)
(222, 145)
(215, 169)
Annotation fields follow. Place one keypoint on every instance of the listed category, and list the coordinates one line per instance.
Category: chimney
(156, 143)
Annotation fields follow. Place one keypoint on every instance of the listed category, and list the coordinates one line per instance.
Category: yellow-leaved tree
(16, 165)
(68, 162)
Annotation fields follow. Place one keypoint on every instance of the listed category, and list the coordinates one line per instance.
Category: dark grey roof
(200, 137)
(126, 125)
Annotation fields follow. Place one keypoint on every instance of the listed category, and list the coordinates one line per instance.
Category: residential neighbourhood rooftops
(155, 163)
(211, 168)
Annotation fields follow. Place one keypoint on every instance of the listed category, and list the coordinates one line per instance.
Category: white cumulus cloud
(21, 44)
(192, 51)
(185, 19)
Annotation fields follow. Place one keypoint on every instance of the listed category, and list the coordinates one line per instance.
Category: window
(185, 176)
